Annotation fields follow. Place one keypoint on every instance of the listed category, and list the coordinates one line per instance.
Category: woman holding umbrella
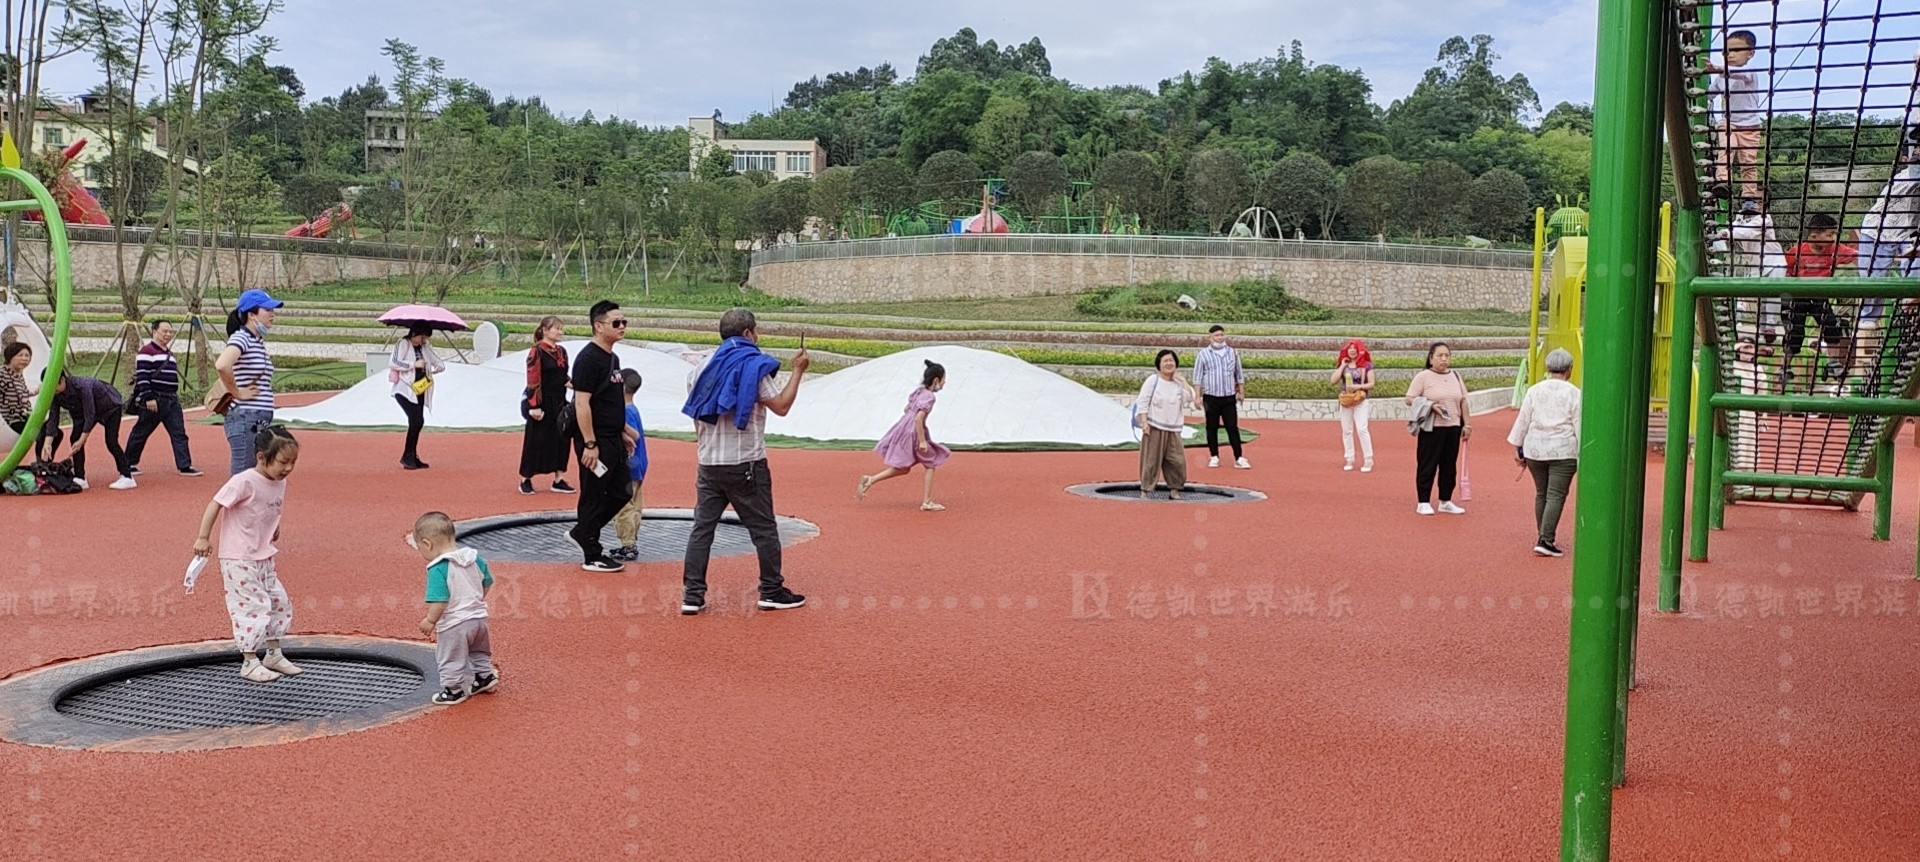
(412, 367)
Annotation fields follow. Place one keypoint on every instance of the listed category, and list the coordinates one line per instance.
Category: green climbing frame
(42, 200)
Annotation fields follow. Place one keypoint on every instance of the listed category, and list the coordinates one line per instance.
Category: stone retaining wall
(985, 274)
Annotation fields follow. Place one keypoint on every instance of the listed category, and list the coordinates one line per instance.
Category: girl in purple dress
(907, 442)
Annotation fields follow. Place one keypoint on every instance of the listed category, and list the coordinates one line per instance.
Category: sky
(662, 61)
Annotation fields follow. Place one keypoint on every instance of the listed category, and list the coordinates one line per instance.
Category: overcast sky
(663, 61)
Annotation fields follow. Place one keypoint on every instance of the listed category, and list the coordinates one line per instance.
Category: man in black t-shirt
(599, 404)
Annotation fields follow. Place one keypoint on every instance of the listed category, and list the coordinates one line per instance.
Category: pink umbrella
(429, 316)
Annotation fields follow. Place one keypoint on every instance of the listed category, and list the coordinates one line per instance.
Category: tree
(780, 208)
(1497, 203)
(1000, 133)
(1128, 181)
(1435, 200)
(1218, 186)
(1569, 116)
(953, 178)
(962, 52)
(832, 195)
(1375, 189)
(939, 109)
(1038, 179)
(1300, 188)
(1458, 96)
(812, 92)
(883, 184)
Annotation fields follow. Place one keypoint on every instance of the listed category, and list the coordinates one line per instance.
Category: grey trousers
(463, 651)
(1551, 479)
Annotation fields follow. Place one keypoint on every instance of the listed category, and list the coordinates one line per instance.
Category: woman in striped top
(16, 403)
(247, 373)
(156, 400)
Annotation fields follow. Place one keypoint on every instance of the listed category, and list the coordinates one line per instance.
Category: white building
(783, 159)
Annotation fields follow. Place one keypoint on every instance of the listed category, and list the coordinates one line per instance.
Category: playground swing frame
(42, 200)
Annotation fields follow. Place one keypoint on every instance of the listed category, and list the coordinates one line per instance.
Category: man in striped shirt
(1223, 385)
(156, 400)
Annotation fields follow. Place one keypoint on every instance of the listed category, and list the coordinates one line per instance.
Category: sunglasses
(616, 324)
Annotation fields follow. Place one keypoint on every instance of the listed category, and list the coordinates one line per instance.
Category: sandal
(865, 483)
(931, 506)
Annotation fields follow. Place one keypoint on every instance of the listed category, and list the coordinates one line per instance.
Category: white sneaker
(276, 661)
(124, 483)
(82, 483)
(1367, 467)
(1214, 461)
(1424, 509)
(254, 671)
(1242, 464)
(1348, 466)
(1448, 507)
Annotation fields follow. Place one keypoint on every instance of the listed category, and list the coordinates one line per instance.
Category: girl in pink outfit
(907, 442)
(256, 601)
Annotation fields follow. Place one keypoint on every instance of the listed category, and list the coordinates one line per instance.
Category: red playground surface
(1027, 675)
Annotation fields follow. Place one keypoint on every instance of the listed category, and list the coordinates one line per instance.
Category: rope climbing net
(1806, 130)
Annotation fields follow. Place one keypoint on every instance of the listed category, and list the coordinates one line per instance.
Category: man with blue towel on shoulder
(728, 397)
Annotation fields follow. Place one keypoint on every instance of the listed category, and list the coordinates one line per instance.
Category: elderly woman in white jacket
(411, 370)
(1160, 410)
(1547, 437)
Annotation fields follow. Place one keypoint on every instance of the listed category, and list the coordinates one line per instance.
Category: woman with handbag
(1354, 376)
(1438, 446)
(245, 394)
(1160, 411)
(547, 445)
(411, 371)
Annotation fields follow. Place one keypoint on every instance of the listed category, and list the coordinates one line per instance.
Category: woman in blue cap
(247, 373)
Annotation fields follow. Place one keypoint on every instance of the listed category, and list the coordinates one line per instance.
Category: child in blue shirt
(457, 584)
(626, 525)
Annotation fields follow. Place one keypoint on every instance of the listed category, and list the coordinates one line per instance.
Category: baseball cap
(256, 299)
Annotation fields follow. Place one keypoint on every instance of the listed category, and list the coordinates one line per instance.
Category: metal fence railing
(136, 235)
(1145, 246)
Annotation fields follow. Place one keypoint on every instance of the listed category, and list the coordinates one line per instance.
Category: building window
(53, 137)
(800, 163)
(750, 160)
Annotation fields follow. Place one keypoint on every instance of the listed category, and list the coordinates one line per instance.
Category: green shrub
(1246, 300)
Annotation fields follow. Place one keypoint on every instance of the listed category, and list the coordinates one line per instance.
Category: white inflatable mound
(990, 399)
(479, 397)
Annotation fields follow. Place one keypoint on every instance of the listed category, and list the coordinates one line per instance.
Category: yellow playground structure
(1560, 278)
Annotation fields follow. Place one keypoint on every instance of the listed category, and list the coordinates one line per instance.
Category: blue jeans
(242, 424)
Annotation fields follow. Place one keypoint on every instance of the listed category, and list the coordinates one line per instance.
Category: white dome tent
(991, 400)
(487, 397)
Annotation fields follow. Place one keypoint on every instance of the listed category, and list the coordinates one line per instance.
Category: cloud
(662, 61)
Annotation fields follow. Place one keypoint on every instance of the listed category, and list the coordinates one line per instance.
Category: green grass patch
(1245, 300)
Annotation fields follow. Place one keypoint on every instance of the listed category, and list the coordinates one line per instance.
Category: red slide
(77, 205)
(324, 224)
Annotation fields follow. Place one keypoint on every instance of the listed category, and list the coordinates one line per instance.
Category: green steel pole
(1620, 274)
(1717, 495)
(1688, 228)
(1883, 495)
(1640, 384)
(1706, 453)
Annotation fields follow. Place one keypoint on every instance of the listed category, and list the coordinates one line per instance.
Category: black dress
(545, 448)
